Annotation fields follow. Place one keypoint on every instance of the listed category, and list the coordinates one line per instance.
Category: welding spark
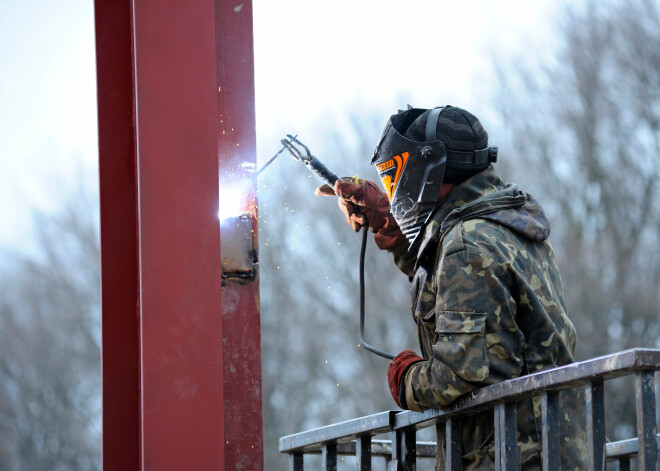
(234, 201)
(235, 198)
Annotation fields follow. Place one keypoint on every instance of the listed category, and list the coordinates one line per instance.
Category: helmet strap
(432, 123)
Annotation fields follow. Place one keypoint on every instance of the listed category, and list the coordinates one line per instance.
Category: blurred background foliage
(579, 129)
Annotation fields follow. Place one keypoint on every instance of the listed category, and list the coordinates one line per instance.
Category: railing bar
(595, 405)
(296, 462)
(498, 423)
(506, 446)
(556, 379)
(646, 427)
(330, 457)
(363, 452)
(397, 446)
(624, 448)
(453, 444)
(410, 449)
(641, 362)
(427, 449)
(550, 454)
(618, 452)
(511, 442)
(372, 424)
(381, 448)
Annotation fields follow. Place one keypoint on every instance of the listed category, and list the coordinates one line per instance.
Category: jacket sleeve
(403, 259)
(476, 341)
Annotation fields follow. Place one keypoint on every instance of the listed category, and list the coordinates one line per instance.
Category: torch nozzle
(294, 151)
(306, 157)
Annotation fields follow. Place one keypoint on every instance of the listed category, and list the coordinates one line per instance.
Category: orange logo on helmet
(385, 165)
(387, 183)
(398, 161)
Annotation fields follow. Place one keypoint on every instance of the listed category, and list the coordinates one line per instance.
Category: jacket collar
(480, 194)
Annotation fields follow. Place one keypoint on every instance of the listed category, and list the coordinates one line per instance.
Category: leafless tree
(584, 135)
(49, 346)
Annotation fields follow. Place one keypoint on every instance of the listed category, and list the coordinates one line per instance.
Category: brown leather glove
(364, 204)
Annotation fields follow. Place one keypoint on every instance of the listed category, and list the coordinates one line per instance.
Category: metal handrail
(502, 398)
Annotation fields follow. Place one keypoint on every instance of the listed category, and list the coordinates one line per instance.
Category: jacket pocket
(460, 344)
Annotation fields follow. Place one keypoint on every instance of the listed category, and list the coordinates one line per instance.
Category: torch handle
(317, 167)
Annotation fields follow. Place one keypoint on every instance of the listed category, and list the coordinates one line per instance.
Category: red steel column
(181, 323)
(119, 235)
(161, 298)
(237, 152)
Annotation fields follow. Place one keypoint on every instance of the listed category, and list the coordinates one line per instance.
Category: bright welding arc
(233, 196)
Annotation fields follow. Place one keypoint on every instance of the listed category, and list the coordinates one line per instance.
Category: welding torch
(318, 168)
(315, 165)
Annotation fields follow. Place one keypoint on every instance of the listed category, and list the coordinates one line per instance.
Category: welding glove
(364, 204)
(396, 375)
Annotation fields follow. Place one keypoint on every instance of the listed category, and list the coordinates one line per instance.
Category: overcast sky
(312, 59)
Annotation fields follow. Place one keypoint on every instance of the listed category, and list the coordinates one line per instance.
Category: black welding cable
(318, 168)
(363, 250)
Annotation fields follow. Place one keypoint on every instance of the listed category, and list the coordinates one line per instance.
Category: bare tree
(584, 134)
(49, 346)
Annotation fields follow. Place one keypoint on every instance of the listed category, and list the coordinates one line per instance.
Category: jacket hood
(486, 196)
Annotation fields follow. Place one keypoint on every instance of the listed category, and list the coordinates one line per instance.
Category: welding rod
(254, 177)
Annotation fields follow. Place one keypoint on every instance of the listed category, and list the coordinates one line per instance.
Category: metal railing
(355, 437)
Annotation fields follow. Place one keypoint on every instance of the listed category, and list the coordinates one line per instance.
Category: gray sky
(312, 59)
(47, 96)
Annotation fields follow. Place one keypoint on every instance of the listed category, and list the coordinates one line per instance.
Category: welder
(486, 291)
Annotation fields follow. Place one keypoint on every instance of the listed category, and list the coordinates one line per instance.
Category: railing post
(363, 452)
(646, 429)
(550, 454)
(453, 444)
(624, 464)
(396, 463)
(595, 402)
(296, 462)
(330, 457)
(506, 446)
(410, 449)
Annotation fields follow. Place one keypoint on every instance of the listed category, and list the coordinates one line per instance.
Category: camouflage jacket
(487, 300)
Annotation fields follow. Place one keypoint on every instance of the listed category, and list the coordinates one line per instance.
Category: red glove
(396, 374)
(364, 203)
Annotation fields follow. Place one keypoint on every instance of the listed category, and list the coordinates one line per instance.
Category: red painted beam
(161, 307)
(240, 310)
(119, 235)
(181, 322)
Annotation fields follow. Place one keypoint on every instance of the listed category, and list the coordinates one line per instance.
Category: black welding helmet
(411, 171)
(419, 150)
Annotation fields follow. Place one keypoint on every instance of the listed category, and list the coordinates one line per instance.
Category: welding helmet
(418, 150)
